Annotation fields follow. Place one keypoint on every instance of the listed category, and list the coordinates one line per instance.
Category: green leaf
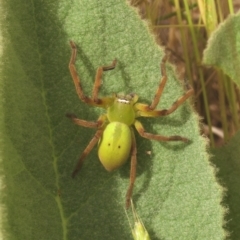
(223, 49)
(227, 161)
(176, 193)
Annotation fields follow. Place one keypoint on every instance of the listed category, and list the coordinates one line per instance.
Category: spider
(114, 135)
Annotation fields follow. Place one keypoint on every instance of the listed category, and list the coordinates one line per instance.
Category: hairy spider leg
(87, 150)
(144, 112)
(133, 170)
(98, 124)
(149, 108)
(161, 86)
(139, 127)
(85, 123)
(94, 100)
(98, 79)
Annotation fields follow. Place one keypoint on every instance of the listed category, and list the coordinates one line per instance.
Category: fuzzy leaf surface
(227, 160)
(176, 193)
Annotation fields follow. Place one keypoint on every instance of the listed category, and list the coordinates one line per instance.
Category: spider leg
(161, 85)
(94, 100)
(143, 112)
(156, 137)
(98, 124)
(87, 150)
(98, 79)
(85, 123)
(132, 171)
(74, 74)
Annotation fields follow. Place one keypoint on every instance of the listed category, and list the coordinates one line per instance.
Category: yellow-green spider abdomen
(115, 145)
